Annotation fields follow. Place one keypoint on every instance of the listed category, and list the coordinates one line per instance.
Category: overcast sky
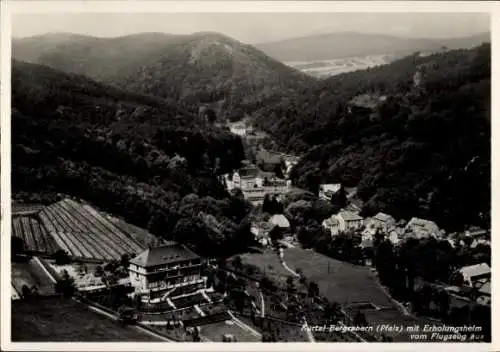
(255, 27)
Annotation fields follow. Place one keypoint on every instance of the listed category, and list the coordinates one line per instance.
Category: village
(270, 293)
(256, 184)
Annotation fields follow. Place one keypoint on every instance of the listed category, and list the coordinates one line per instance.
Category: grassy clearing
(338, 281)
(268, 264)
(57, 319)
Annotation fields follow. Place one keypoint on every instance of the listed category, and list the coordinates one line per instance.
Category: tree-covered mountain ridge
(186, 69)
(411, 151)
(132, 155)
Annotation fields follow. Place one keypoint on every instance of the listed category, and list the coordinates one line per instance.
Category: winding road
(282, 260)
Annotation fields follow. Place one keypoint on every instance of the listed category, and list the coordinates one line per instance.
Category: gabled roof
(279, 220)
(268, 157)
(263, 225)
(352, 208)
(384, 217)
(331, 221)
(332, 187)
(484, 300)
(167, 253)
(238, 125)
(349, 216)
(475, 270)
(486, 288)
(475, 231)
(422, 225)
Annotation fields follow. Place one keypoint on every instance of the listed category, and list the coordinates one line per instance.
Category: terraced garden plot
(85, 233)
(26, 209)
(34, 235)
(57, 320)
(141, 236)
(162, 317)
(215, 296)
(156, 307)
(188, 301)
(179, 314)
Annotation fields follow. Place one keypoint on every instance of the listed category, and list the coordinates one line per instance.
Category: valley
(198, 188)
(328, 68)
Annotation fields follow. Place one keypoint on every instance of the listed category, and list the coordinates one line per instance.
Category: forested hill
(185, 69)
(420, 152)
(128, 154)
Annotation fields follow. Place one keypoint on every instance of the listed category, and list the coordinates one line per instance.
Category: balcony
(164, 286)
(174, 267)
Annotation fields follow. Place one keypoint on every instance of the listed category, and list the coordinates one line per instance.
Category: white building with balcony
(166, 271)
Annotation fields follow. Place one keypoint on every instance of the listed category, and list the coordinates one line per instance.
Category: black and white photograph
(205, 176)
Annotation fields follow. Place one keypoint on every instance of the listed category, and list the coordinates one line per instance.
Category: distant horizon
(255, 28)
(285, 39)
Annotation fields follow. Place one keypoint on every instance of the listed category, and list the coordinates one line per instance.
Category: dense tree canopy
(132, 155)
(411, 151)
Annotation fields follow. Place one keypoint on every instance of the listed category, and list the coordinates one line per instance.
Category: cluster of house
(261, 230)
(474, 285)
(349, 219)
(255, 184)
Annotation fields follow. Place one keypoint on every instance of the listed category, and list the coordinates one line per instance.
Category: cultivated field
(36, 239)
(57, 320)
(85, 233)
(26, 209)
(338, 281)
(141, 236)
(327, 68)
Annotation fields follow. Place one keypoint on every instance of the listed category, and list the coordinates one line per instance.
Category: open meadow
(338, 281)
